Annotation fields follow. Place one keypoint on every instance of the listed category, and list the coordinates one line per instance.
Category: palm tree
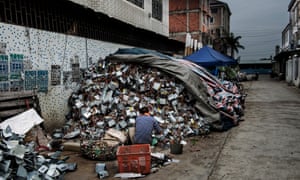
(233, 43)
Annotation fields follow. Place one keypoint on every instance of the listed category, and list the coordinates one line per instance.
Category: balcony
(205, 8)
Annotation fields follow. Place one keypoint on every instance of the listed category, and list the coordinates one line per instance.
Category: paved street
(264, 146)
(267, 144)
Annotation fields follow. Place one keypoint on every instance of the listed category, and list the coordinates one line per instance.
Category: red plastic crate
(134, 158)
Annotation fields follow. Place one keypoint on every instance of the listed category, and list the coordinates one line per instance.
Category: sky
(260, 24)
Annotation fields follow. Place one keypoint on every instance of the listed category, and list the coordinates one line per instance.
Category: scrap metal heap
(228, 96)
(111, 97)
(114, 90)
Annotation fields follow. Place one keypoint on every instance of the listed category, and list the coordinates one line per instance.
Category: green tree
(233, 43)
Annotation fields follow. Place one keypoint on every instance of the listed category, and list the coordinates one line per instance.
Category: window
(218, 32)
(157, 9)
(3, 68)
(213, 10)
(211, 20)
(16, 67)
(139, 3)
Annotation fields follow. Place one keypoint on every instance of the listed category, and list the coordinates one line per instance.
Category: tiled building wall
(177, 5)
(66, 17)
(178, 23)
(194, 4)
(132, 14)
(195, 20)
(41, 51)
(187, 16)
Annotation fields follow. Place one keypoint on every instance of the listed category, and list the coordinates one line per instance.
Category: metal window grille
(157, 9)
(139, 3)
(66, 17)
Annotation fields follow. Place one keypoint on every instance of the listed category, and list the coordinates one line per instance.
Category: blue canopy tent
(208, 57)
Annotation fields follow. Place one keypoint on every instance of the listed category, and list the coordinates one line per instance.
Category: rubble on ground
(21, 159)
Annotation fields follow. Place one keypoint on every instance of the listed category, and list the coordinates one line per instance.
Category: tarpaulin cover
(23, 122)
(207, 56)
(179, 70)
(138, 51)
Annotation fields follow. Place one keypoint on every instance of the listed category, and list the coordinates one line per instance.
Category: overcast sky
(260, 23)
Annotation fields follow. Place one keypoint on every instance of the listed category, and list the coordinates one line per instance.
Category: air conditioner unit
(295, 29)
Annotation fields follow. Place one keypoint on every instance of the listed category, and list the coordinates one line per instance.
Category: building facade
(219, 23)
(286, 63)
(290, 43)
(80, 20)
(286, 42)
(189, 16)
(45, 46)
(294, 16)
(151, 15)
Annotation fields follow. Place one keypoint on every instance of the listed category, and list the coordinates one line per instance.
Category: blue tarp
(207, 56)
(139, 51)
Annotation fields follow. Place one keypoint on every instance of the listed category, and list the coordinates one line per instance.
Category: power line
(259, 35)
(247, 41)
(256, 54)
(257, 30)
(249, 53)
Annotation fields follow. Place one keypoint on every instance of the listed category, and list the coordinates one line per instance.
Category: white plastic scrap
(128, 175)
(22, 123)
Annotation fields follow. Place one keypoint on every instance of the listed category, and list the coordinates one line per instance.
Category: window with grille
(157, 9)
(139, 3)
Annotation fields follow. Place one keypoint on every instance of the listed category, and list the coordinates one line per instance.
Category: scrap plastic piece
(128, 175)
(22, 172)
(4, 165)
(43, 169)
(101, 170)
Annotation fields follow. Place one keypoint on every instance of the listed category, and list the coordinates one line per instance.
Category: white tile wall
(41, 49)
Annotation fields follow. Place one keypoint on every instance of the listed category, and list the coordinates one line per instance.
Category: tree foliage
(233, 43)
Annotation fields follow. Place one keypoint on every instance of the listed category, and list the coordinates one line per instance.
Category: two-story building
(189, 16)
(205, 21)
(286, 61)
(219, 23)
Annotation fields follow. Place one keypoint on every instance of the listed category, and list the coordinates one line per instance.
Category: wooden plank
(9, 113)
(17, 93)
(16, 103)
(4, 96)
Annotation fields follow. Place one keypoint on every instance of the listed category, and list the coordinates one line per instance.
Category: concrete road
(265, 146)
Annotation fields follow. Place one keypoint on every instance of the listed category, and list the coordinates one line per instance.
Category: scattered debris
(128, 175)
(23, 122)
(20, 160)
(101, 170)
